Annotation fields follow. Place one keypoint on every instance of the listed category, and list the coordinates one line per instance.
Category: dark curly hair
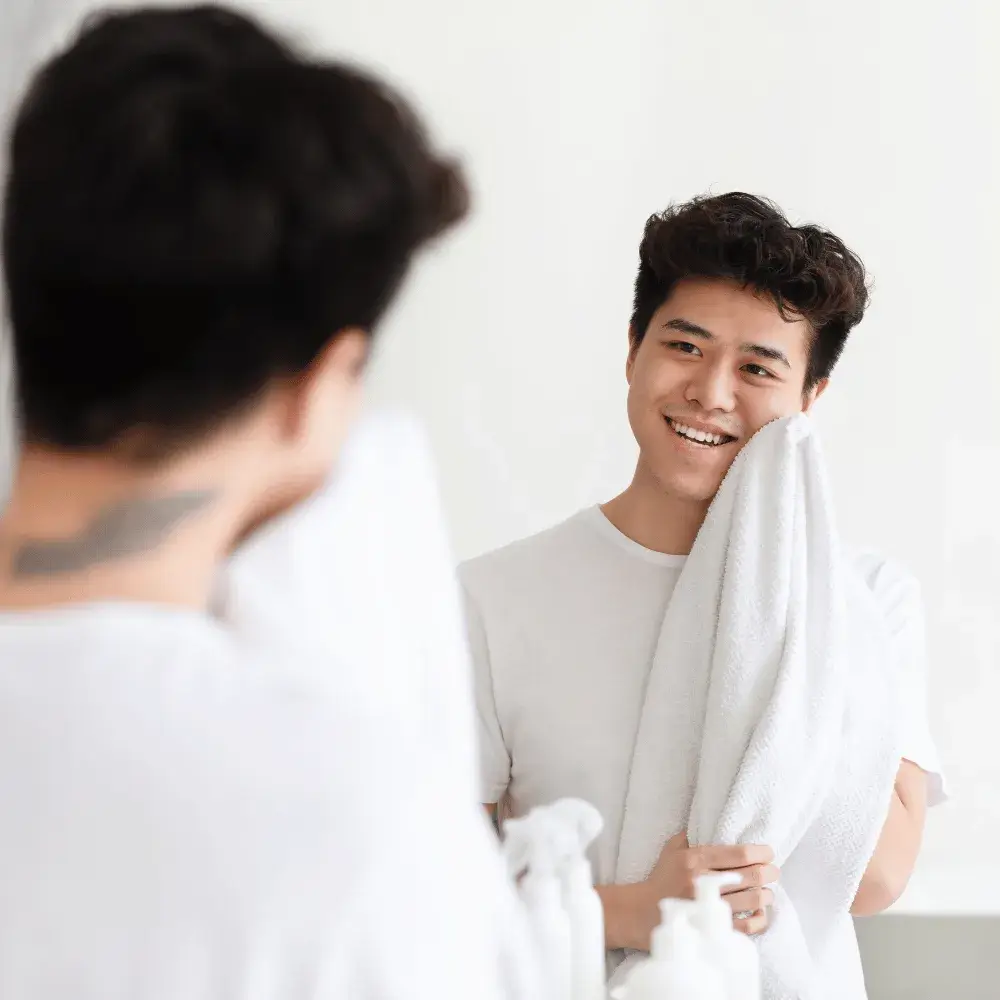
(806, 270)
(193, 210)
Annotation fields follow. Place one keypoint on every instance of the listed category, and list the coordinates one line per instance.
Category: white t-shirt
(182, 819)
(563, 628)
(196, 808)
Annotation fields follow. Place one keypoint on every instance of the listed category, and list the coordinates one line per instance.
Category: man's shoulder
(274, 736)
(527, 561)
(260, 730)
(229, 773)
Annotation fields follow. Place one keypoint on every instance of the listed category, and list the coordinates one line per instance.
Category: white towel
(363, 572)
(769, 711)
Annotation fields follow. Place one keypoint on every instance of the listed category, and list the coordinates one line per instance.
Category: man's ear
(339, 367)
(810, 396)
(346, 355)
(633, 350)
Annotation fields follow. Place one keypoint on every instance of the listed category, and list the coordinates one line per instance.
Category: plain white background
(577, 119)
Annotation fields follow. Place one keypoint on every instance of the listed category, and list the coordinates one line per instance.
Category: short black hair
(806, 270)
(193, 210)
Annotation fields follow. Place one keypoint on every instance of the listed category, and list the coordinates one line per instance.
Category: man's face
(716, 360)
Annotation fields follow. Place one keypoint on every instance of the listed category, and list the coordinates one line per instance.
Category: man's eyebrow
(686, 326)
(768, 353)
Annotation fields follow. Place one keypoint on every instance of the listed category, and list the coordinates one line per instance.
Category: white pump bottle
(579, 823)
(529, 847)
(678, 967)
(732, 952)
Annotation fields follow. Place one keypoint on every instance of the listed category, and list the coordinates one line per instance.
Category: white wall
(577, 119)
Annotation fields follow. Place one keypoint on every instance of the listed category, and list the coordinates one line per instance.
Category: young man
(738, 319)
(202, 229)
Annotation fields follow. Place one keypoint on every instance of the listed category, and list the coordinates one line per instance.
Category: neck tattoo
(127, 529)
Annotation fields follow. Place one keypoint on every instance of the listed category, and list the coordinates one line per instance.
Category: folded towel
(769, 711)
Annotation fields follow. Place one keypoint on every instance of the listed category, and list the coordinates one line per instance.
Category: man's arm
(629, 914)
(898, 846)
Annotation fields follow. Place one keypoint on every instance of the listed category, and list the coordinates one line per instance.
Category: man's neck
(655, 519)
(80, 530)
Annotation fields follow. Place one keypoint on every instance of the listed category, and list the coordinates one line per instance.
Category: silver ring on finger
(744, 914)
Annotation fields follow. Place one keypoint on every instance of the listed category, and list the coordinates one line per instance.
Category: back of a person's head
(193, 211)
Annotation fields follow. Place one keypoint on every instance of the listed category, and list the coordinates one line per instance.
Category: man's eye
(757, 370)
(684, 346)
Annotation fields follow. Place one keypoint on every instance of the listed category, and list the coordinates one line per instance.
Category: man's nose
(712, 387)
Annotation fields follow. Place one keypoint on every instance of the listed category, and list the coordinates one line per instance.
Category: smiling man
(739, 318)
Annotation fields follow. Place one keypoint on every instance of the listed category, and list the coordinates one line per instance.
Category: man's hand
(631, 912)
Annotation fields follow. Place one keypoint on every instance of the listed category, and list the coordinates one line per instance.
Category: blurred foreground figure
(210, 788)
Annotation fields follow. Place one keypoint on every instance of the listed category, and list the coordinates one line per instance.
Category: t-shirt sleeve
(898, 595)
(494, 757)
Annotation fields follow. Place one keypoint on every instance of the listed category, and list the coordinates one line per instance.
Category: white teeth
(703, 437)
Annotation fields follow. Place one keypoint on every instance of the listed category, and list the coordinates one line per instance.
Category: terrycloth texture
(769, 712)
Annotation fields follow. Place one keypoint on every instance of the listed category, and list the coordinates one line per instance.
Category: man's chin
(691, 479)
(691, 490)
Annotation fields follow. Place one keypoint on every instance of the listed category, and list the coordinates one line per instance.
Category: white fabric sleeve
(494, 757)
(898, 595)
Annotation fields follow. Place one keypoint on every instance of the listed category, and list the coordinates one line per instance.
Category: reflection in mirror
(570, 624)
(701, 657)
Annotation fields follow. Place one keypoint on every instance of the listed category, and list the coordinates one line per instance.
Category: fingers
(756, 924)
(678, 842)
(722, 858)
(753, 877)
(672, 849)
(750, 900)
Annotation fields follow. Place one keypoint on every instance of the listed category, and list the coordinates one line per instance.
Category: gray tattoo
(127, 529)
